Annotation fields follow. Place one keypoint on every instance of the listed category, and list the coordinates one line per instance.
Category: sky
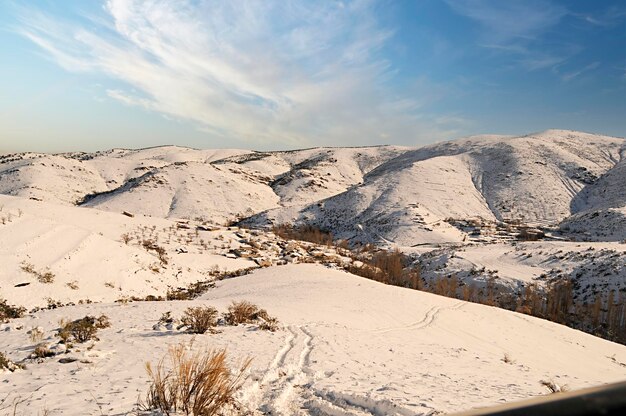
(91, 75)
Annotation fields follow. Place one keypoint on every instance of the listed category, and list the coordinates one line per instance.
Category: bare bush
(7, 364)
(151, 245)
(82, 330)
(42, 351)
(244, 312)
(241, 312)
(9, 311)
(45, 276)
(269, 324)
(196, 384)
(199, 320)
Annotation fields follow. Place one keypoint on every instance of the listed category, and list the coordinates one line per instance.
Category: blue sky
(89, 75)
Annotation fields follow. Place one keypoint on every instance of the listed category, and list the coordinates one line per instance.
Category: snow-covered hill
(173, 182)
(537, 179)
(349, 346)
(386, 193)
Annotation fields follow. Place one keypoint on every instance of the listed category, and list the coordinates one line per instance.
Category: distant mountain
(537, 179)
(386, 193)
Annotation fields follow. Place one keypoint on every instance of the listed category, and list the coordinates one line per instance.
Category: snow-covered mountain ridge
(385, 193)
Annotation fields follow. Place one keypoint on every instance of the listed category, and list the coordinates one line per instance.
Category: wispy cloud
(295, 72)
(569, 76)
(611, 16)
(506, 21)
(516, 27)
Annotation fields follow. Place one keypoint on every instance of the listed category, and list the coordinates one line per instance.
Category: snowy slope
(178, 182)
(83, 249)
(349, 346)
(534, 179)
(51, 178)
(189, 190)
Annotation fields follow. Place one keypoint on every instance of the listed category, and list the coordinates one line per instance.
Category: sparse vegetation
(199, 320)
(507, 359)
(82, 330)
(269, 323)
(195, 384)
(389, 267)
(151, 245)
(9, 311)
(190, 292)
(166, 318)
(35, 334)
(244, 312)
(304, 233)
(42, 351)
(241, 312)
(45, 276)
(7, 364)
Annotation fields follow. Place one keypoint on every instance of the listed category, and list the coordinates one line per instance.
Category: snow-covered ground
(348, 346)
(152, 221)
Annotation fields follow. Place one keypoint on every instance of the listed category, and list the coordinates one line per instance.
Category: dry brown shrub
(269, 324)
(160, 251)
(200, 319)
(42, 351)
(82, 330)
(45, 276)
(244, 312)
(241, 312)
(303, 233)
(9, 311)
(196, 384)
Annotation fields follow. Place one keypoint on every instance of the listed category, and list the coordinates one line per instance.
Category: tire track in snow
(425, 322)
(276, 393)
(254, 394)
(333, 403)
(287, 401)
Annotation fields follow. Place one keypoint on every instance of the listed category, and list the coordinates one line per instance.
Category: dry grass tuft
(35, 334)
(200, 319)
(196, 384)
(241, 312)
(42, 351)
(244, 312)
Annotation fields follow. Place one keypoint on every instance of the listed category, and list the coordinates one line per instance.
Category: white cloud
(517, 27)
(506, 21)
(294, 72)
(575, 74)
